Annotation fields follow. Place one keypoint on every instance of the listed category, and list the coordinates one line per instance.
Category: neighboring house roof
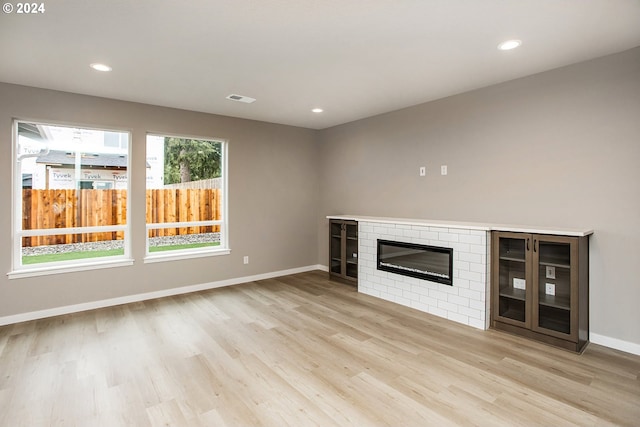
(31, 130)
(56, 157)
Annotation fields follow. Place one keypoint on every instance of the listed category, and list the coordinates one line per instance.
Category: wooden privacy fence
(47, 209)
(183, 205)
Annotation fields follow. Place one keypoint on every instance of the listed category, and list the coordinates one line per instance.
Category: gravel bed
(118, 244)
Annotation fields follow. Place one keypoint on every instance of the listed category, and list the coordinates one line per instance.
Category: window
(70, 197)
(186, 197)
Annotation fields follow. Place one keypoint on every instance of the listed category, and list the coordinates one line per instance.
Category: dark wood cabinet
(540, 287)
(343, 250)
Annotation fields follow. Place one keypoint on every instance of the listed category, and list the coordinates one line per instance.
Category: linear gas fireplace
(432, 263)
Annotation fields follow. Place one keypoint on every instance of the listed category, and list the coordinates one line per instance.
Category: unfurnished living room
(320, 213)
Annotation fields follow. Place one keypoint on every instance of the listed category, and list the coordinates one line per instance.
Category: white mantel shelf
(576, 232)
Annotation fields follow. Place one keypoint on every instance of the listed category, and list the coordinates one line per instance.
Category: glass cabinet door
(343, 255)
(352, 250)
(553, 300)
(336, 247)
(513, 288)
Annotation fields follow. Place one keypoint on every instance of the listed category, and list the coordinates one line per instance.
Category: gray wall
(273, 186)
(561, 148)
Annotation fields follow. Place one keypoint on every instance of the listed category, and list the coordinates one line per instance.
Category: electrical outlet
(550, 289)
(519, 283)
(423, 171)
(246, 259)
(443, 170)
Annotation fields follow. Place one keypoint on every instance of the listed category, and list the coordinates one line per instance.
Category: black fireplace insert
(431, 263)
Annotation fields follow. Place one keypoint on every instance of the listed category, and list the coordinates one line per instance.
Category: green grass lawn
(69, 256)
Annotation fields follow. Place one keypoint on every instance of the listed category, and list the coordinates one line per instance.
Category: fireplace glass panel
(421, 261)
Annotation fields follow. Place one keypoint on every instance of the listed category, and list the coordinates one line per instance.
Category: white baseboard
(75, 308)
(626, 346)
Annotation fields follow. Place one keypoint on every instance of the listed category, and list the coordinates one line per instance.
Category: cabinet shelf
(555, 264)
(507, 258)
(555, 301)
(513, 293)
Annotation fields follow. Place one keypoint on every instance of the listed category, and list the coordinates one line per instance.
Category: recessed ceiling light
(509, 44)
(100, 67)
(317, 110)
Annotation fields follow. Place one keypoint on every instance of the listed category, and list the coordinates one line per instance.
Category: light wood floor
(298, 351)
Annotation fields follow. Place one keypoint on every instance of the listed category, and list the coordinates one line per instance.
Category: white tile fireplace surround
(467, 301)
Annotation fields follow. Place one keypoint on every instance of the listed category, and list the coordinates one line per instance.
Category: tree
(188, 160)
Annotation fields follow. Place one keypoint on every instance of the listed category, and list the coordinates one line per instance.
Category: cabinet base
(557, 342)
(341, 279)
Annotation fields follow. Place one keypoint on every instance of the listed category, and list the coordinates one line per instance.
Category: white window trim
(221, 249)
(178, 255)
(21, 271)
(185, 253)
(70, 230)
(71, 267)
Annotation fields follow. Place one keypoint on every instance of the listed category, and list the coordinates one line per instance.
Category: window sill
(182, 255)
(68, 268)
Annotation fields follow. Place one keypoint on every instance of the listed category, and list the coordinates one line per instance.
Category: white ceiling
(354, 58)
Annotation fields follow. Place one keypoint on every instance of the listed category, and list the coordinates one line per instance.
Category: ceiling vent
(240, 98)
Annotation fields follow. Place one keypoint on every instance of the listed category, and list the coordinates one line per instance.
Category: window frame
(19, 270)
(179, 254)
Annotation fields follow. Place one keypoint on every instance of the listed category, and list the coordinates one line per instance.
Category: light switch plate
(550, 289)
(551, 272)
